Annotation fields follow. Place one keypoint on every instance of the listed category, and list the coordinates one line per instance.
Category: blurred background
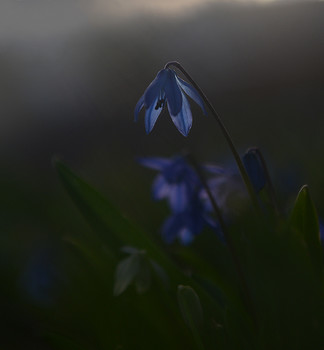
(71, 74)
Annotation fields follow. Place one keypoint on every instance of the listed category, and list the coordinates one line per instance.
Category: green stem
(228, 138)
(227, 236)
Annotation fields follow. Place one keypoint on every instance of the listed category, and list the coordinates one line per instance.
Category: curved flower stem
(229, 140)
(227, 236)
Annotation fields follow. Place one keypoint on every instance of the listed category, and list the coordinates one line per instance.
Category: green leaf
(143, 278)
(126, 272)
(190, 306)
(60, 341)
(161, 274)
(191, 311)
(107, 221)
(304, 220)
(116, 231)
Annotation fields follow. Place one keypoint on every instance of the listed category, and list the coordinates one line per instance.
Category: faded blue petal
(178, 197)
(40, 276)
(138, 107)
(154, 89)
(160, 188)
(321, 226)
(173, 94)
(156, 163)
(183, 120)
(151, 116)
(214, 169)
(185, 236)
(170, 228)
(193, 93)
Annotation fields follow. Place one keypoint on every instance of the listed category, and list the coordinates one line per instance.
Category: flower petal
(178, 197)
(154, 89)
(214, 169)
(156, 163)
(193, 93)
(138, 107)
(171, 227)
(185, 236)
(151, 116)
(173, 93)
(183, 120)
(160, 188)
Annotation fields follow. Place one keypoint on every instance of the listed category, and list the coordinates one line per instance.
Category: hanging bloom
(189, 223)
(177, 181)
(168, 89)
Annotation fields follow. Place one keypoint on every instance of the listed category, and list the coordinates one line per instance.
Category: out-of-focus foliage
(69, 83)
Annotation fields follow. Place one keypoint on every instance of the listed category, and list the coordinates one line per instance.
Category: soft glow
(165, 7)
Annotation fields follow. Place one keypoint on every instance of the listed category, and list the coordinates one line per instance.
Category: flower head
(189, 223)
(181, 186)
(177, 181)
(168, 89)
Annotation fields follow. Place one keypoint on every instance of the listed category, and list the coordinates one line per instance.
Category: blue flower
(321, 227)
(177, 181)
(189, 223)
(41, 276)
(168, 89)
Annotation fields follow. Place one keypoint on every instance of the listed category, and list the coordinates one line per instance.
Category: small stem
(227, 237)
(229, 140)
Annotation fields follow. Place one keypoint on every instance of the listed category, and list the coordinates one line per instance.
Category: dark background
(70, 78)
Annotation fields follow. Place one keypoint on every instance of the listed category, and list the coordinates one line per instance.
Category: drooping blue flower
(168, 89)
(187, 224)
(177, 181)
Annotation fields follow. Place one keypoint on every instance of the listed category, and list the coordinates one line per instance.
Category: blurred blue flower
(40, 276)
(177, 181)
(187, 224)
(321, 227)
(168, 88)
(180, 185)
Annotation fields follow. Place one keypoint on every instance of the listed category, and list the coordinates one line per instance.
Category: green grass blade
(304, 220)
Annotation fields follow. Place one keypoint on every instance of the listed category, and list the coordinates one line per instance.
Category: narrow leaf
(190, 306)
(191, 311)
(304, 220)
(126, 272)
